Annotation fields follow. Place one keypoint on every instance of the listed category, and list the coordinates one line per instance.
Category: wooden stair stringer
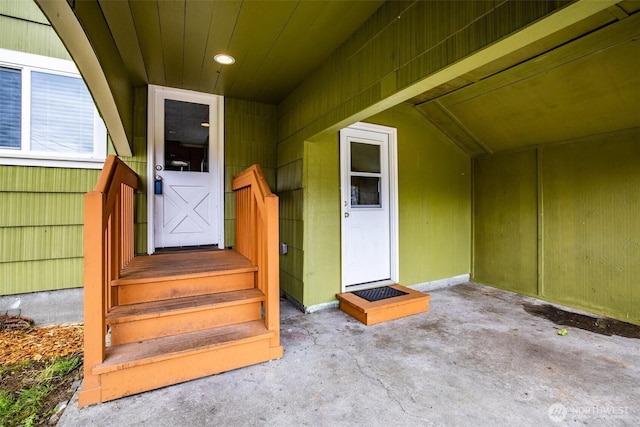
(370, 313)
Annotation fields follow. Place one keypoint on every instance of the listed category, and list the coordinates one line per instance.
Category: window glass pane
(365, 157)
(61, 114)
(365, 191)
(10, 107)
(186, 136)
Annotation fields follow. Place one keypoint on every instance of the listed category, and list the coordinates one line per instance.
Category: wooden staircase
(168, 318)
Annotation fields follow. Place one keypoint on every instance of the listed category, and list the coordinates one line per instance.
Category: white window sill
(75, 163)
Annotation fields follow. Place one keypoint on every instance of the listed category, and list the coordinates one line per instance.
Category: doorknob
(346, 214)
(158, 167)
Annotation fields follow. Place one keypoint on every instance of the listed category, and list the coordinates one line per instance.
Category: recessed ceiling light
(223, 59)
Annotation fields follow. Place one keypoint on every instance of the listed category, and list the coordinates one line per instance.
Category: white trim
(24, 156)
(394, 252)
(217, 176)
(67, 26)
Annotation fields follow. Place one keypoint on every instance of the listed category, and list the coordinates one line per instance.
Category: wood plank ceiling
(276, 44)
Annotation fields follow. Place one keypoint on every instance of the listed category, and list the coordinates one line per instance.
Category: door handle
(346, 214)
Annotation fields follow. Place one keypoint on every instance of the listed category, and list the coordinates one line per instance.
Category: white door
(186, 180)
(368, 206)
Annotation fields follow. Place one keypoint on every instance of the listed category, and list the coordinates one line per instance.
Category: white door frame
(392, 134)
(216, 142)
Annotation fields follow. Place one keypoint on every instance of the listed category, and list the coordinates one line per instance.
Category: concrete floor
(475, 359)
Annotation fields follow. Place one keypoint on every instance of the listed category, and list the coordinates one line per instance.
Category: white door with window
(369, 206)
(186, 179)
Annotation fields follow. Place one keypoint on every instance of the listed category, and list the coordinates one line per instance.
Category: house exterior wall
(561, 223)
(434, 185)
(41, 209)
(400, 45)
(250, 137)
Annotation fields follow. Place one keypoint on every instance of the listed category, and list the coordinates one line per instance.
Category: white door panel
(186, 148)
(186, 210)
(367, 193)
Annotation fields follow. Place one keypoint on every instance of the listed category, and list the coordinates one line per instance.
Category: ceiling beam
(545, 27)
(103, 85)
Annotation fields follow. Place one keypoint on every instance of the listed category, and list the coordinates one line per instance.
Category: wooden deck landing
(370, 313)
(187, 263)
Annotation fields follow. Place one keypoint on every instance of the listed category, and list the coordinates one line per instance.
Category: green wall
(41, 218)
(434, 179)
(250, 138)
(396, 48)
(41, 209)
(24, 28)
(399, 46)
(561, 223)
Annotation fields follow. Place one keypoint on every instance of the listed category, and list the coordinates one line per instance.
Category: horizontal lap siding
(41, 209)
(41, 217)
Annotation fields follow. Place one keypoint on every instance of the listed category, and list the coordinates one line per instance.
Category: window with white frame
(47, 116)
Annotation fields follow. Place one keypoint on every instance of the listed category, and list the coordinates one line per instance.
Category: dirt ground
(24, 353)
(599, 325)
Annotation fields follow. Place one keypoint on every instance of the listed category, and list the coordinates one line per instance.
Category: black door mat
(377, 294)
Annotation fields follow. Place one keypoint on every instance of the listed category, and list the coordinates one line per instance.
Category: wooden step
(155, 319)
(176, 275)
(370, 313)
(134, 367)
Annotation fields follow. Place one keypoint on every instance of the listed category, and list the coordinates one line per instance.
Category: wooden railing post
(108, 247)
(257, 239)
(94, 294)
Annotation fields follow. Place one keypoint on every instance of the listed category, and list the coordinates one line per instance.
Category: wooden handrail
(108, 248)
(257, 238)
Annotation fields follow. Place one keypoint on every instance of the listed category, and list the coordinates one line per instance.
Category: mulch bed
(25, 351)
(21, 345)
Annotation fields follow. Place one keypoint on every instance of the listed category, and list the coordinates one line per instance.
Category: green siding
(591, 196)
(41, 209)
(41, 217)
(322, 271)
(250, 138)
(138, 162)
(505, 221)
(24, 28)
(434, 206)
(584, 226)
(401, 44)
(41, 275)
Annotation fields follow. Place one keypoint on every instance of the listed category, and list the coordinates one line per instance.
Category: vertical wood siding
(24, 28)
(402, 43)
(586, 230)
(434, 208)
(250, 138)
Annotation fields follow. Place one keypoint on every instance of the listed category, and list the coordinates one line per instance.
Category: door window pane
(10, 107)
(365, 157)
(365, 191)
(62, 114)
(186, 136)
